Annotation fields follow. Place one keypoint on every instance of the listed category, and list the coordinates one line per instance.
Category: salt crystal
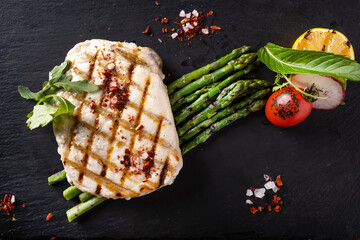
(249, 193)
(188, 15)
(182, 13)
(259, 192)
(195, 13)
(189, 26)
(111, 66)
(185, 28)
(266, 177)
(248, 201)
(270, 185)
(275, 189)
(174, 35)
(12, 199)
(159, 40)
(195, 23)
(205, 31)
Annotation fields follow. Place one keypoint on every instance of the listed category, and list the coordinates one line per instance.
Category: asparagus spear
(212, 116)
(57, 177)
(71, 192)
(205, 135)
(233, 65)
(83, 197)
(226, 97)
(191, 97)
(187, 78)
(81, 208)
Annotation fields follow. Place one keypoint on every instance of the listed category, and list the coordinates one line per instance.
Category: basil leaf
(78, 86)
(65, 106)
(41, 115)
(25, 92)
(289, 61)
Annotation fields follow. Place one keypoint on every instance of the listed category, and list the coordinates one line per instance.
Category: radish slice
(328, 87)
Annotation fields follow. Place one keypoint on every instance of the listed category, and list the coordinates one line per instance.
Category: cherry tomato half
(287, 107)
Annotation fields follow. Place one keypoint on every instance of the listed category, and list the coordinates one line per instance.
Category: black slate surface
(318, 159)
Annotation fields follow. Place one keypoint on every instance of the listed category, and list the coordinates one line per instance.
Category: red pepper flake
(278, 181)
(7, 205)
(164, 20)
(147, 31)
(157, 3)
(49, 216)
(269, 208)
(215, 28)
(253, 210)
(252, 189)
(52, 238)
(131, 118)
(260, 208)
(158, 19)
(210, 13)
(189, 58)
(108, 29)
(23, 205)
(164, 30)
(277, 208)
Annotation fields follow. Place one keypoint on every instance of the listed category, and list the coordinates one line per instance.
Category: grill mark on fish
(163, 172)
(85, 159)
(112, 186)
(131, 56)
(114, 127)
(149, 161)
(136, 123)
(78, 111)
(105, 112)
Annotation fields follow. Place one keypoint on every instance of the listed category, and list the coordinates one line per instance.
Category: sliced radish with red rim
(327, 87)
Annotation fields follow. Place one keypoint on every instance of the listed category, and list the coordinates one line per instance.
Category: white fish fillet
(121, 141)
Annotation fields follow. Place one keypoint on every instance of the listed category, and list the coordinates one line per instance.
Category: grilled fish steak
(121, 141)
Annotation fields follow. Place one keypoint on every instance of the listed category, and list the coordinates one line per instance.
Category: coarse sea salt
(270, 185)
(182, 13)
(249, 193)
(259, 192)
(195, 13)
(205, 31)
(174, 35)
(266, 177)
(248, 201)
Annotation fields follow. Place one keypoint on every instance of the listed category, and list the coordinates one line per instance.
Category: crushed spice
(49, 217)
(271, 204)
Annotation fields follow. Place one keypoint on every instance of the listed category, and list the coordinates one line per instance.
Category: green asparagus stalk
(57, 177)
(226, 97)
(83, 197)
(212, 116)
(233, 65)
(188, 78)
(71, 192)
(81, 208)
(192, 97)
(205, 135)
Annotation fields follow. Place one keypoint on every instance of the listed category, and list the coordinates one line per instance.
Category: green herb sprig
(49, 105)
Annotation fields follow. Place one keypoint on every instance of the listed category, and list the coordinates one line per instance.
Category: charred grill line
(85, 159)
(163, 173)
(78, 110)
(149, 161)
(136, 123)
(112, 186)
(115, 127)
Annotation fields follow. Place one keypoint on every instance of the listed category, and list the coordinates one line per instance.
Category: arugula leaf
(289, 61)
(25, 92)
(78, 86)
(58, 71)
(65, 106)
(41, 115)
(50, 106)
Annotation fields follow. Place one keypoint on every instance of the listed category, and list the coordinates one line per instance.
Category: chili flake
(157, 3)
(278, 181)
(147, 31)
(164, 20)
(49, 216)
(7, 204)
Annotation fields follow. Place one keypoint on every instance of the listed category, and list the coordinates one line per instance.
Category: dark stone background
(318, 159)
